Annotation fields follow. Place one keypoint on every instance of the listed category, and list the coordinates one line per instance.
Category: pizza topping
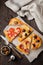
(27, 42)
(10, 35)
(29, 31)
(11, 32)
(35, 36)
(21, 46)
(16, 22)
(23, 30)
(27, 50)
(18, 30)
(11, 29)
(38, 41)
(34, 45)
(25, 34)
(8, 32)
(15, 34)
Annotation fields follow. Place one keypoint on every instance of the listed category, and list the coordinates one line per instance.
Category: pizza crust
(27, 45)
(12, 33)
(25, 32)
(15, 21)
(36, 41)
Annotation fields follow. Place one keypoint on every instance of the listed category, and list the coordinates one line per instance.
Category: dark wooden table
(5, 15)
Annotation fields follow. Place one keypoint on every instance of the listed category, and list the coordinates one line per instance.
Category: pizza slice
(36, 41)
(12, 33)
(25, 32)
(25, 46)
(15, 21)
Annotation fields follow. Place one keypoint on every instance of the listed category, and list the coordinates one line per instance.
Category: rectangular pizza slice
(25, 46)
(15, 21)
(12, 33)
(25, 32)
(36, 41)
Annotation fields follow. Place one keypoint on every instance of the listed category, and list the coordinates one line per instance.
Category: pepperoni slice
(18, 30)
(12, 33)
(21, 46)
(27, 42)
(26, 50)
(9, 35)
(11, 29)
(15, 34)
(9, 32)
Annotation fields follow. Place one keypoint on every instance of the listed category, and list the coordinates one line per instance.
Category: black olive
(15, 22)
(35, 36)
(25, 34)
(23, 30)
(38, 41)
(34, 45)
(29, 31)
